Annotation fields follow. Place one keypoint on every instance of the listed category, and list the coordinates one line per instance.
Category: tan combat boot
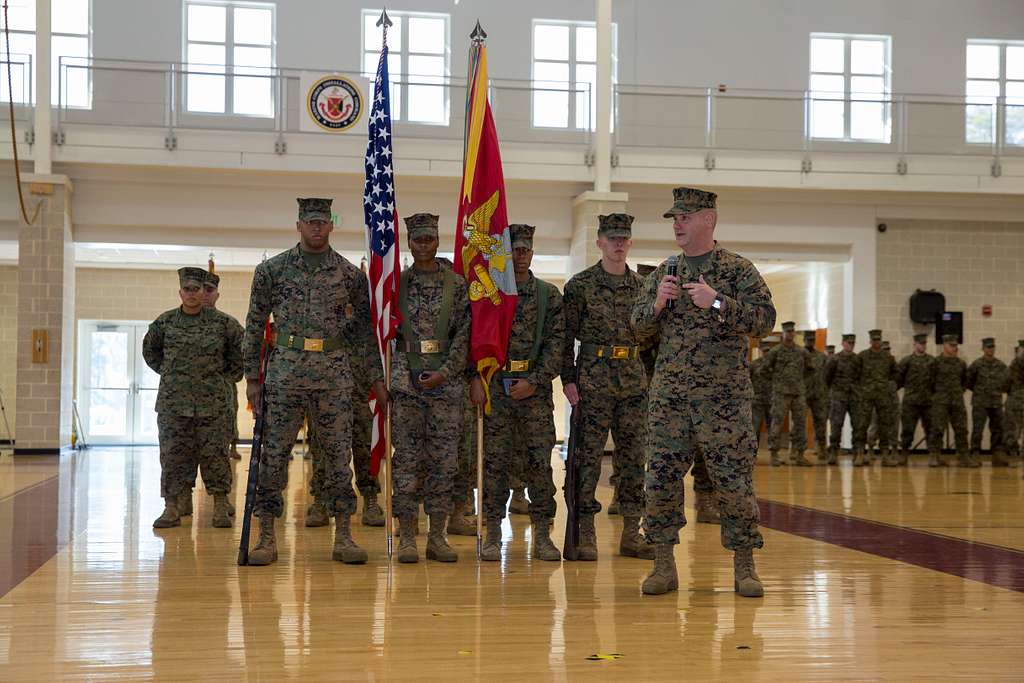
(797, 458)
(462, 522)
(889, 458)
(860, 460)
(490, 551)
(185, 503)
(437, 543)
(964, 460)
(903, 459)
(169, 517)
(747, 583)
(407, 552)
(776, 460)
(707, 508)
(221, 518)
(316, 515)
(587, 547)
(833, 456)
(265, 551)
(663, 578)
(345, 549)
(935, 460)
(372, 514)
(543, 548)
(999, 459)
(631, 543)
(822, 453)
(519, 505)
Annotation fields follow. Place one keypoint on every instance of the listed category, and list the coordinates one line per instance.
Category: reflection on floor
(92, 590)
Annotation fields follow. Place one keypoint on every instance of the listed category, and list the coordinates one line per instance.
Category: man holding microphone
(700, 395)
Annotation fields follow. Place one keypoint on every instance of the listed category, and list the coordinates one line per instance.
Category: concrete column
(42, 150)
(603, 123)
(586, 207)
(46, 306)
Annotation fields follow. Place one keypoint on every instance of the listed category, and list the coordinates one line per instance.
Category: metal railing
(156, 95)
(20, 66)
(794, 121)
(109, 92)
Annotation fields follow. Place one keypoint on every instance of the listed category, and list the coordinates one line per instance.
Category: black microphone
(671, 268)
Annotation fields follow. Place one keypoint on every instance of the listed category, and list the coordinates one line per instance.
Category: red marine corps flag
(483, 248)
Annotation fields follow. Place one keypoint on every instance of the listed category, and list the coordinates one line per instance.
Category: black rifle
(570, 550)
(256, 456)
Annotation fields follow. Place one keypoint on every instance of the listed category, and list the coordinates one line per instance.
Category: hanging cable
(14, 139)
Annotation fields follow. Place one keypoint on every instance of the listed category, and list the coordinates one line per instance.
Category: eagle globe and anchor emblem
(335, 103)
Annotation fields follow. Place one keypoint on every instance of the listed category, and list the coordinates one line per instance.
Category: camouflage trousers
(910, 415)
(362, 426)
(943, 414)
(795, 406)
(330, 418)
(188, 444)
(886, 421)
(701, 478)
(513, 429)
(722, 430)
(232, 419)
(841, 406)
(465, 478)
(994, 416)
(425, 432)
(626, 418)
(894, 423)
(1013, 422)
(762, 414)
(818, 406)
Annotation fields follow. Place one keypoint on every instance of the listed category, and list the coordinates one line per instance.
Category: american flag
(381, 222)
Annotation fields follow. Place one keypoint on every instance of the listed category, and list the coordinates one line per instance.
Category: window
(419, 63)
(850, 85)
(994, 70)
(230, 53)
(70, 80)
(564, 64)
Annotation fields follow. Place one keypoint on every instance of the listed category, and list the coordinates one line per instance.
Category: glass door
(116, 389)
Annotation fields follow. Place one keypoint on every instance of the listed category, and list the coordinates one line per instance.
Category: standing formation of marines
(659, 362)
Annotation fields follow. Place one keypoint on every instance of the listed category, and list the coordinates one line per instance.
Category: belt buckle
(313, 345)
(430, 346)
(518, 365)
(620, 352)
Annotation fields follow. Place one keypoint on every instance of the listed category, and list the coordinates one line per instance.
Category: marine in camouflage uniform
(878, 369)
(761, 380)
(195, 350)
(914, 376)
(949, 379)
(429, 392)
(891, 457)
(986, 378)
(842, 377)
(609, 379)
(1013, 422)
(705, 501)
(788, 364)
(522, 410)
(817, 397)
(701, 393)
(324, 347)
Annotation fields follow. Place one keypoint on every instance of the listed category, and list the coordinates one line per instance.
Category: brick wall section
(8, 335)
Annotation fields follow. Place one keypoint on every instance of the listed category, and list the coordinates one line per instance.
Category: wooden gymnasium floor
(873, 574)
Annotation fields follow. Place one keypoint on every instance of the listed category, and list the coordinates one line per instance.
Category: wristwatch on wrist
(717, 303)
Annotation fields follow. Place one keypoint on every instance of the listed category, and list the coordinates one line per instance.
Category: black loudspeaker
(950, 322)
(926, 307)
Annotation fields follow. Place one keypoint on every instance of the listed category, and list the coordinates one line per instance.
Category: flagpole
(389, 521)
(479, 481)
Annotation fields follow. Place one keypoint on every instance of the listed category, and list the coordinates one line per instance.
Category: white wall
(741, 43)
